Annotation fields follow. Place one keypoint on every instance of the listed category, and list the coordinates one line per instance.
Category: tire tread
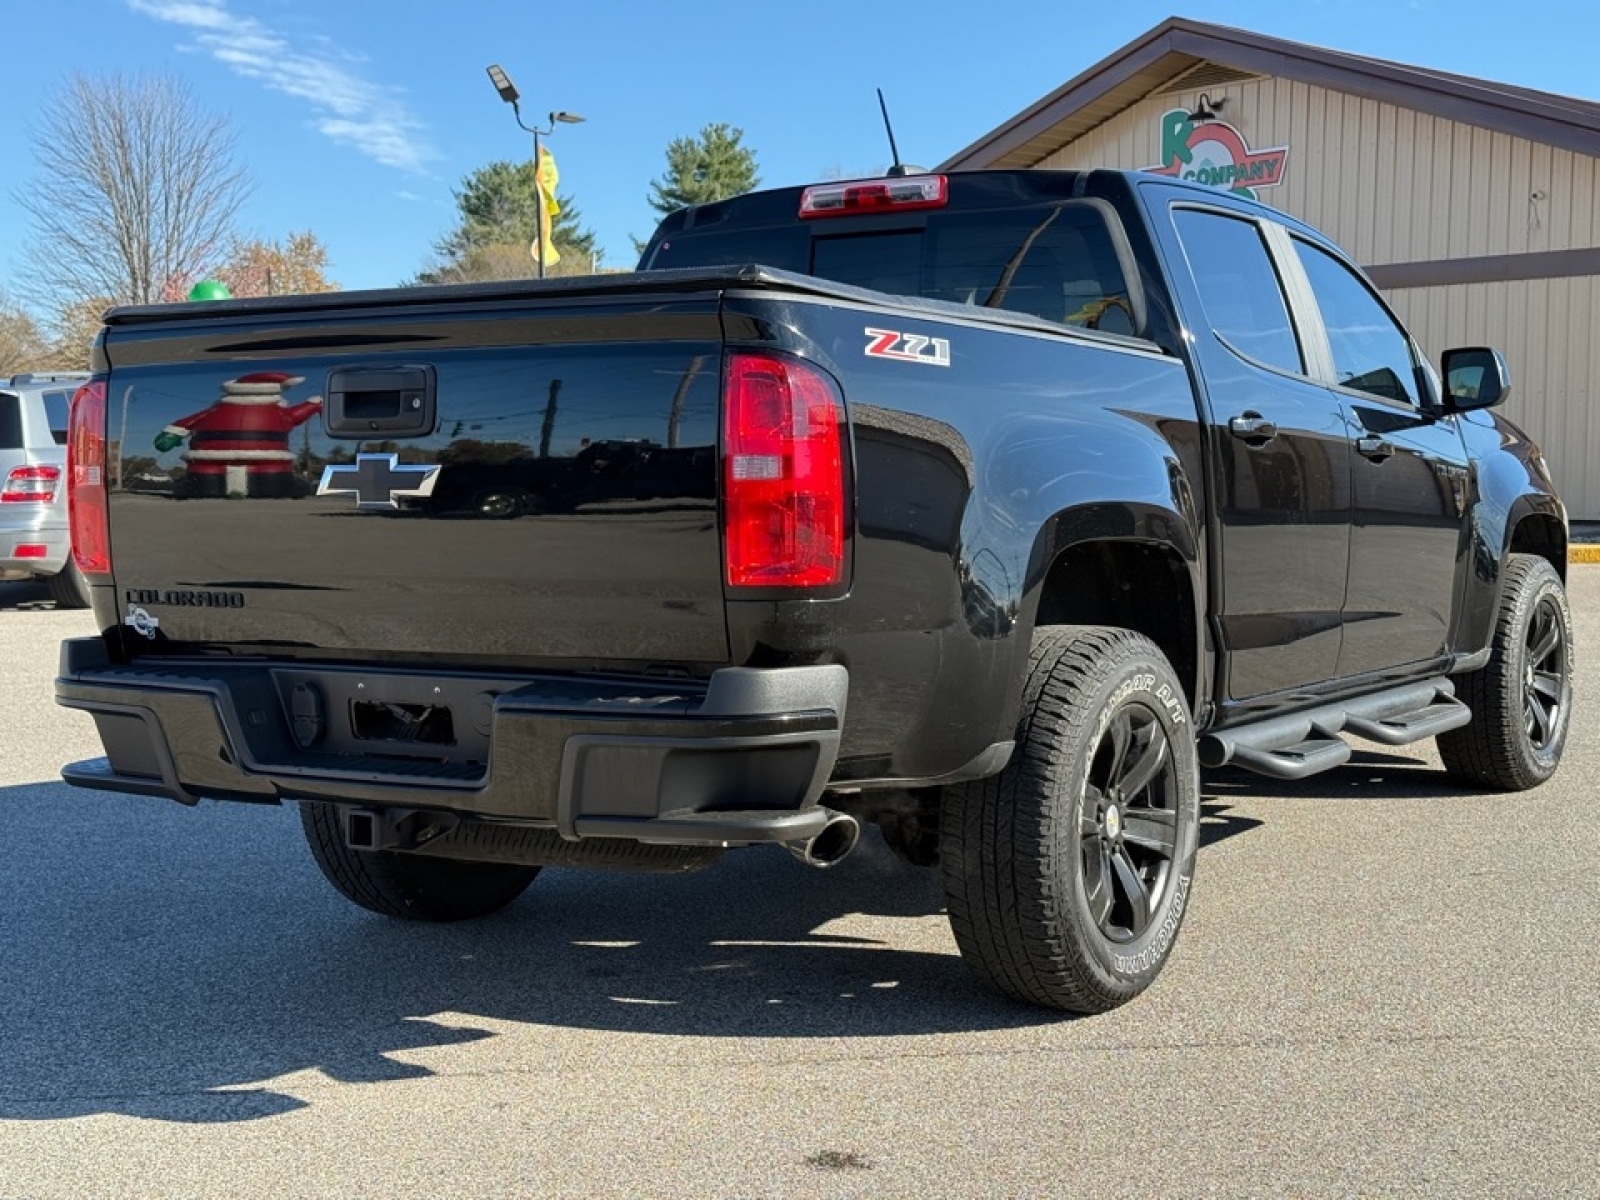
(67, 587)
(1006, 921)
(1492, 749)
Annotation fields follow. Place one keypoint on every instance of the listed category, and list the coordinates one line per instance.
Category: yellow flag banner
(545, 179)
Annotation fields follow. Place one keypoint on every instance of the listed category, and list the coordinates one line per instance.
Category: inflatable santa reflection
(240, 445)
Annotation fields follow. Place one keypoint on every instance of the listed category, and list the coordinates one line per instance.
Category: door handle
(1252, 427)
(1374, 448)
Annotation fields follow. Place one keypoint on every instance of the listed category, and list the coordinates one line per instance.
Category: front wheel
(1522, 700)
(1067, 875)
(412, 887)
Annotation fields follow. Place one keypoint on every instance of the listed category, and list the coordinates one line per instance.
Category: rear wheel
(67, 587)
(412, 887)
(1067, 875)
(1522, 700)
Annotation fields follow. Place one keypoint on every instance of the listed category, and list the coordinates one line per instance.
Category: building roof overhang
(1173, 49)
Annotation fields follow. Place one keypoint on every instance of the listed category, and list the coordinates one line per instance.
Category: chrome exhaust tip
(831, 844)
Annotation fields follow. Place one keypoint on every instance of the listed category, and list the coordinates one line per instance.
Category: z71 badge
(908, 347)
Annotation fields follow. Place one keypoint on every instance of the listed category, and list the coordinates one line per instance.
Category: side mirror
(1474, 377)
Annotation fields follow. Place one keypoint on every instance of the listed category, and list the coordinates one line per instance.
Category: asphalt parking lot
(1384, 987)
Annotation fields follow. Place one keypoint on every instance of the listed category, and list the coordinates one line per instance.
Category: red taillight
(31, 485)
(874, 195)
(86, 480)
(783, 474)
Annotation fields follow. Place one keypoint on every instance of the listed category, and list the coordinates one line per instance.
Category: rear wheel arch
(1144, 586)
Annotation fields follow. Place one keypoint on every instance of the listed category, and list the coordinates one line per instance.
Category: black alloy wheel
(1545, 687)
(1521, 700)
(1129, 824)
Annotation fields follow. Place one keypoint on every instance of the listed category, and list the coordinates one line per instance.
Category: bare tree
(22, 346)
(76, 324)
(135, 194)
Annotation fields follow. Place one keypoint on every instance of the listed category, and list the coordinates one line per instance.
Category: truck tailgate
(532, 483)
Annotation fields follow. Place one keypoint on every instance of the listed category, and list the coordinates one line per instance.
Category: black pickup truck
(983, 508)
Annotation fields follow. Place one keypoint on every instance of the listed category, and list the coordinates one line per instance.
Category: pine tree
(712, 166)
(498, 220)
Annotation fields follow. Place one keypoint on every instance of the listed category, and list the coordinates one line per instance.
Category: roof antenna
(899, 169)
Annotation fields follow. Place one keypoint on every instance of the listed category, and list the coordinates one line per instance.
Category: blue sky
(356, 118)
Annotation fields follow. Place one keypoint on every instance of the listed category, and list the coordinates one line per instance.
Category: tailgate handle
(391, 401)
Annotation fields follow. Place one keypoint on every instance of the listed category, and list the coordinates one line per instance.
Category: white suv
(35, 542)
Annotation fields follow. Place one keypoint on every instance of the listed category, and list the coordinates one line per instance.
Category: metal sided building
(1474, 205)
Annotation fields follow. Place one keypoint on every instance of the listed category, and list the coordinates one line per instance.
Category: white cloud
(349, 108)
(413, 198)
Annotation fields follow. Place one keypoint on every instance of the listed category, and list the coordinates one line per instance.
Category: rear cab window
(1058, 259)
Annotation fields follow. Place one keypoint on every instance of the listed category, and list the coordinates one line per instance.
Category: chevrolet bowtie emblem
(378, 480)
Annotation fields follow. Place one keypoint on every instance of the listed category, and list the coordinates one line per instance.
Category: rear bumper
(738, 759)
(56, 543)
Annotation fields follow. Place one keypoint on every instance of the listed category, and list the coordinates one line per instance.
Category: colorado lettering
(185, 598)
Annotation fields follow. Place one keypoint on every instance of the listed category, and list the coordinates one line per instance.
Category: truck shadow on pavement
(25, 596)
(170, 964)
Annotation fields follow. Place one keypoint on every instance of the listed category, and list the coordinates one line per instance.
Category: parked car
(34, 540)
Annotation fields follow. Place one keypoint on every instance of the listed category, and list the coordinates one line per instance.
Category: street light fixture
(508, 93)
(503, 85)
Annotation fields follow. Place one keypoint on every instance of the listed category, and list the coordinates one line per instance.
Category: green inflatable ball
(210, 289)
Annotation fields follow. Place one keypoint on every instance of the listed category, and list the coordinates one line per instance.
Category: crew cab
(984, 508)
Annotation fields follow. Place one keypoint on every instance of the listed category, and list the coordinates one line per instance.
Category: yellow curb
(1585, 553)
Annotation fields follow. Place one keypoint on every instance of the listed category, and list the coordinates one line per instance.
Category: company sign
(1215, 153)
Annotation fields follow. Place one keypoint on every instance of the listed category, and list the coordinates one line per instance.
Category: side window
(1370, 352)
(1239, 288)
(57, 406)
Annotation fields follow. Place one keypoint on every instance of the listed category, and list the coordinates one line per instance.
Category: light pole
(508, 93)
